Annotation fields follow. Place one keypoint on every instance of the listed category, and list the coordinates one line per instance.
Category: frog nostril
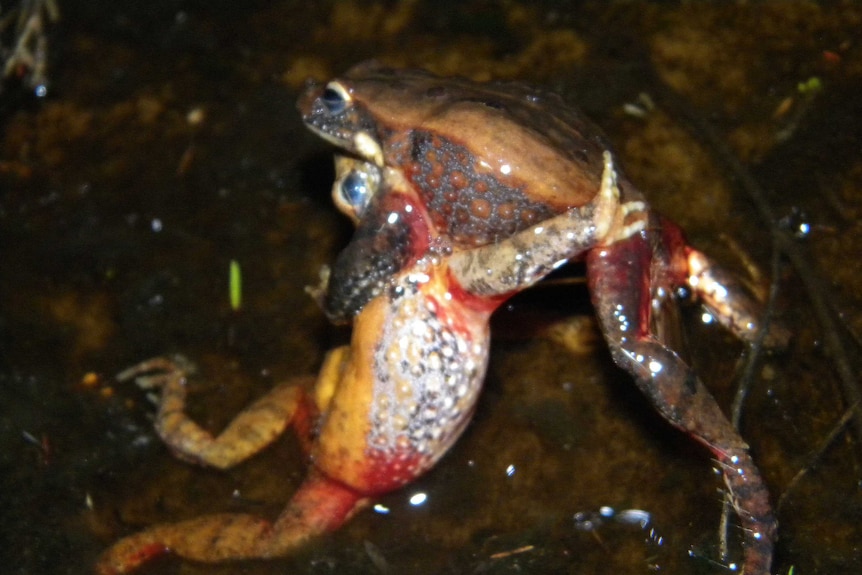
(488, 102)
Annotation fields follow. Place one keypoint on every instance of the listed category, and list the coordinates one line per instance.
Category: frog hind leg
(320, 505)
(253, 429)
(625, 278)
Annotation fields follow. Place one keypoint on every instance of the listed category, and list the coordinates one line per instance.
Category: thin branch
(745, 381)
(818, 453)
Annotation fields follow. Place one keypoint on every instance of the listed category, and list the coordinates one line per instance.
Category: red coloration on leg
(123, 563)
(676, 250)
(319, 506)
(304, 423)
(481, 304)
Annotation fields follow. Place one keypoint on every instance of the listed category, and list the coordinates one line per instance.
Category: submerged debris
(24, 42)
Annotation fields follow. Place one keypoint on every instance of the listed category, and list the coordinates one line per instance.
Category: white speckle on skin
(428, 372)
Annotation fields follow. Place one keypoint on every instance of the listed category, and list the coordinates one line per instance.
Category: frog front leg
(628, 279)
(517, 262)
(320, 504)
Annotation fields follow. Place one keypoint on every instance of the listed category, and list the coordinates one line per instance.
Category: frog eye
(353, 192)
(354, 189)
(335, 98)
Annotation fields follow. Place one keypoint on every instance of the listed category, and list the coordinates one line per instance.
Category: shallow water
(119, 216)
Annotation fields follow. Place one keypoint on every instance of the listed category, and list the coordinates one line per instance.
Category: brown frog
(463, 195)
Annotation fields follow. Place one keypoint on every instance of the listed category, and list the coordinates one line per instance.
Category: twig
(756, 346)
(745, 380)
(28, 57)
(818, 453)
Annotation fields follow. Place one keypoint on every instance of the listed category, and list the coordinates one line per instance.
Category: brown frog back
(488, 159)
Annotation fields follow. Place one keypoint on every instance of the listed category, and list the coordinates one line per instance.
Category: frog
(463, 195)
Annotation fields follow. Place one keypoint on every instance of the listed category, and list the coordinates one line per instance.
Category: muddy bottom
(169, 146)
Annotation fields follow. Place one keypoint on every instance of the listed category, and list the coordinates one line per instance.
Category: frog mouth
(368, 148)
(361, 144)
